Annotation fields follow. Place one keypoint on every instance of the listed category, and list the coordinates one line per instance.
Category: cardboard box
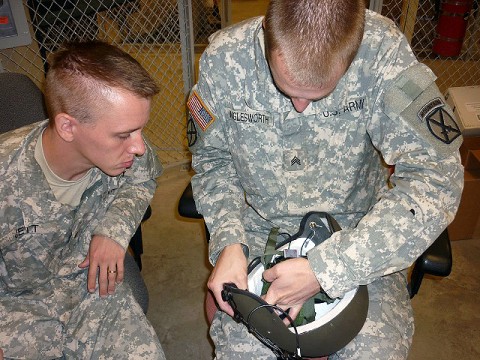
(465, 103)
(466, 224)
(470, 153)
(472, 162)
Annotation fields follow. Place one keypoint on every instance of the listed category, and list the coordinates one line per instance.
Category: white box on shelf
(465, 102)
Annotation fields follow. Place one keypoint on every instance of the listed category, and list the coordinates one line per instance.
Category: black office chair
(21, 103)
(436, 260)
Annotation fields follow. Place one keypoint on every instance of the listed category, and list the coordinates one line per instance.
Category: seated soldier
(299, 111)
(73, 190)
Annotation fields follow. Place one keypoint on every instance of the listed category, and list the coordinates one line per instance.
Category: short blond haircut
(314, 37)
(82, 74)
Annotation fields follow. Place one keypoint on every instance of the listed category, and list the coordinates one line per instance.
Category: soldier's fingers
(103, 281)
(112, 278)
(292, 313)
(91, 278)
(120, 272)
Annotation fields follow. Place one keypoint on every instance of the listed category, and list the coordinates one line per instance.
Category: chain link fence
(167, 37)
(156, 33)
(444, 34)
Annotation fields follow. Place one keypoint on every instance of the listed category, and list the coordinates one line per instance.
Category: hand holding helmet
(231, 267)
(327, 325)
(292, 284)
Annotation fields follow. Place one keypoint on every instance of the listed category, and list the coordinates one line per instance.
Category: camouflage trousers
(386, 334)
(113, 327)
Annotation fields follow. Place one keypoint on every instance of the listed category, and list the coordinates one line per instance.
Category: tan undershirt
(65, 191)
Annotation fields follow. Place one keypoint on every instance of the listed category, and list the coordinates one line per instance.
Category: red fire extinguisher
(451, 27)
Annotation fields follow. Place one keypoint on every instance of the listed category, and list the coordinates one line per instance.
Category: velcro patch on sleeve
(416, 99)
(200, 113)
(406, 88)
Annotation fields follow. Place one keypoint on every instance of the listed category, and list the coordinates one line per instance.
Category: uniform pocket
(255, 151)
(29, 257)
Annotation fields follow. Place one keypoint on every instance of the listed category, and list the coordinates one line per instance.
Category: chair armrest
(147, 214)
(188, 209)
(437, 259)
(136, 242)
(186, 204)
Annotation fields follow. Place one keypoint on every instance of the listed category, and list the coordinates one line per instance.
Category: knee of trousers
(388, 329)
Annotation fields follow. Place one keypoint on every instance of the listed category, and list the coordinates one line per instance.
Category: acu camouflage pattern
(45, 309)
(255, 172)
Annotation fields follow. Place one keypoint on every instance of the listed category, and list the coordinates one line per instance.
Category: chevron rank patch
(439, 122)
(199, 112)
(294, 160)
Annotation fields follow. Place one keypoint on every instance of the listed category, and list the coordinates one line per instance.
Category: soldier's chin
(114, 172)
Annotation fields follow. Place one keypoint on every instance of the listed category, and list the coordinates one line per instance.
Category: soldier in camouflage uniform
(73, 190)
(301, 111)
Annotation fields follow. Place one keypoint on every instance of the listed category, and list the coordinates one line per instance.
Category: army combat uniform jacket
(45, 308)
(260, 164)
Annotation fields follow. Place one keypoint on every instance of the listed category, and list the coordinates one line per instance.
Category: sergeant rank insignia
(439, 122)
(294, 160)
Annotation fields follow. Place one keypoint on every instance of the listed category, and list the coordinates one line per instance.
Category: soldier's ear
(64, 126)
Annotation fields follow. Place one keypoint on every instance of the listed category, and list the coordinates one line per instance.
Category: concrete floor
(175, 269)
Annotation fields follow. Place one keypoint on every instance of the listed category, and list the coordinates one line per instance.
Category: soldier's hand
(106, 257)
(231, 267)
(292, 284)
(1, 354)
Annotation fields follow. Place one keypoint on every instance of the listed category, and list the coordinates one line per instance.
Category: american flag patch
(202, 116)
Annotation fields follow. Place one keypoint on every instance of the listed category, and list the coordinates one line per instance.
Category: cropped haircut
(314, 37)
(81, 76)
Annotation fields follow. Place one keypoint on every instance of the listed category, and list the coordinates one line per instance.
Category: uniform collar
(28, 169)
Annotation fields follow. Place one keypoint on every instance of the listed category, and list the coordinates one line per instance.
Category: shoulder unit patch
(439, 122)
(200, 113)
